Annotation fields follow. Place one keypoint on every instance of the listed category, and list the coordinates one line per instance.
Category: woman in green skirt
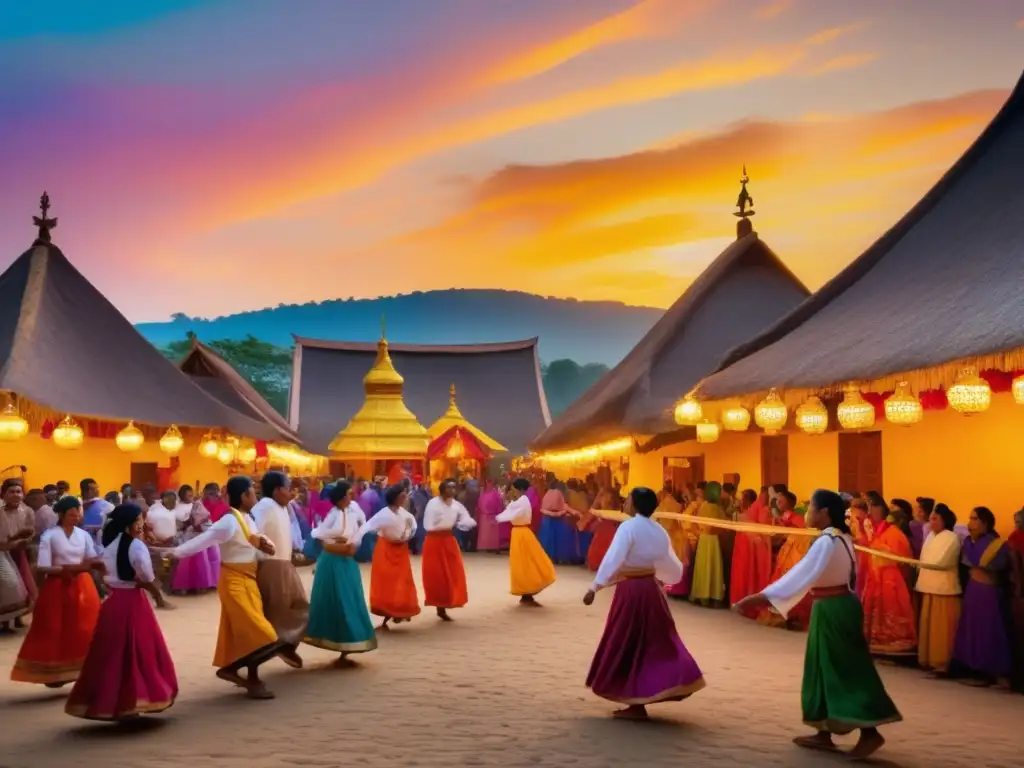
(841, 690)
(338, 617)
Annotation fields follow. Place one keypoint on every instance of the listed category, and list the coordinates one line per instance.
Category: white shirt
(226, 532)
(441, 515)
(639, 544)
(272, 520)
(518, 512)
(394, 526)
(163, 522)
(57, 548)
(138, 556)
(830, 562)
(942, 548)
(338, 524)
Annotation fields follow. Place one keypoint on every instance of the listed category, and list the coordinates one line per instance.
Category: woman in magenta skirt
(128, 671)
(641, 660)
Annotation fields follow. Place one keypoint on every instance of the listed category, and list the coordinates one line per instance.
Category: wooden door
(860, 462)
(144, 474)
(774, 459)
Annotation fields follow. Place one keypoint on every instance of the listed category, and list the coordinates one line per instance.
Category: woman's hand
(588, 599)
(751, 602)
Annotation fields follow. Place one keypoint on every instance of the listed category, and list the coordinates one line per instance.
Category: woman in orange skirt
(444, 577)
(889, 621)
(604, 530)
(68, 607)
(752, 555)
(392, 589)
(792, 551)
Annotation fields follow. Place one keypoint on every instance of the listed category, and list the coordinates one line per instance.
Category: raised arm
(785, 593)
(515, 508)
(216, 534)
(372, 525)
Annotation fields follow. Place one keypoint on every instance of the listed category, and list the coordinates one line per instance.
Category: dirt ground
(501, 686)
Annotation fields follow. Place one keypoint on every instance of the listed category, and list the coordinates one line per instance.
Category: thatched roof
(499, 386)
(215, 376)
(64, 346)
(942, 286)
(745, 289)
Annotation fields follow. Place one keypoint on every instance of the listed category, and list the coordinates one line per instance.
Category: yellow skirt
(244, 630)
(940, 615)
(530, 567)
(708, 571)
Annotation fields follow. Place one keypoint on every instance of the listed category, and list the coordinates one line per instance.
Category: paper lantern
(68, 434)
(707, 432)
(771, 413)
(812, 416)
(172, 441)
(1018, 390)
(970, 393)
(130, 438)
(247, 452)
(735, 418)
(12, 426)
(902, 408)
(209, 446)
(855, 412)
(688, 412)
(226, 452)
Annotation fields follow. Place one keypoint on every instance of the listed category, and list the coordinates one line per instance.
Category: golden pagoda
(384, 428)
(453, 418)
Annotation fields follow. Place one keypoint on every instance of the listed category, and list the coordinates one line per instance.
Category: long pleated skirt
(641, 658)
(284, 599)
(338, 618)
(128, 670)
(560, 540)
(444, 577)
(940, 616)
(604, 532)
(982, 644)
(197, 572)
(244, 635)
(392, 589)
(14, 600)
(63, 622)
(841, 689)
(530, 569)
(708, 570)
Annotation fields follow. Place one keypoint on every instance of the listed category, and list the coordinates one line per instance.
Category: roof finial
(745, 203)
(44, 223)
(451, 394)
(383, 327)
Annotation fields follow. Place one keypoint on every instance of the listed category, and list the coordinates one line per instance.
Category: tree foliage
(566, 380)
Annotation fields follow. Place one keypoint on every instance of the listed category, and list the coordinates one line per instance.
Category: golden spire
(745, 203)
(453, 418)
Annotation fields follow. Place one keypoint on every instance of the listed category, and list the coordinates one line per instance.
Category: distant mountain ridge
(584, 331)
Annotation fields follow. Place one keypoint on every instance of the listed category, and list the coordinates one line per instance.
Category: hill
(586, 331)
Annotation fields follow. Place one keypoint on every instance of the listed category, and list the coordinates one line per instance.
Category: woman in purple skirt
(640, 659)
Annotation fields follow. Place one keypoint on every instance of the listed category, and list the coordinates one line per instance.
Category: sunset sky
(211, 156)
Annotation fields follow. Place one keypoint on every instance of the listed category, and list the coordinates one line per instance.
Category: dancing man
(641, 660)
(530, 568)
(444, 577)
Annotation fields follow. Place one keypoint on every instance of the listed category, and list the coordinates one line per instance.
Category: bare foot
(870, 742)
(442, 614)
(821, 741)
(384, 626)
(631, 713)
(290, 657)
(344, 661)
(232, 677)
(258, 690)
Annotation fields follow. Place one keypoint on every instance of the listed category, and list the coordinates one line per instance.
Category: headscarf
(713, 492)
(118, 522)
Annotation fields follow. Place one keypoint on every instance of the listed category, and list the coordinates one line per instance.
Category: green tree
(566, 380)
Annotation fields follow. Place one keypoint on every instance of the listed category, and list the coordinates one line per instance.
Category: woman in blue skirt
(338, 617)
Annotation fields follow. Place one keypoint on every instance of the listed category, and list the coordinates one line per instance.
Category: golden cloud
(774, 9)
(845, 62)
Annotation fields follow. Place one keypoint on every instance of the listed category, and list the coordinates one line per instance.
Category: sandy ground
(501, 686)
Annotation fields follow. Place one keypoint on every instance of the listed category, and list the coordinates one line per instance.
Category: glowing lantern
(707, 432)
(456, 448)
(209, 446)
(247, 452)
(1018, 390)
(130, 438)
(902, 407)
(688, 412)
(855, 412)
(771, 413)
(68, 434)
(172, 441)
(812, 417)
(735, 418)
(970, 393)
(12, 426)
(226, 451)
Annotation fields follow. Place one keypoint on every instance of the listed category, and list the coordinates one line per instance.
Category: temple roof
(453, 418)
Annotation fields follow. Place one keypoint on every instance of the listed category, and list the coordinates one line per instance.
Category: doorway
(860, 462)
(774, 459)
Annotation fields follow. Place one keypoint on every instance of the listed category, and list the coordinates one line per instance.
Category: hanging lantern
(1018, 390)
(226, 452)
(771, 413)
(209, 446)
(970, 393)
(247, 452)
(707, 432)
(855, 412)
(902, 407)
(456, 448)
(68, 434)
(130, 438)
(688, 412)
(12, 426)
(172, 441)
(812, 416)
(735, 418)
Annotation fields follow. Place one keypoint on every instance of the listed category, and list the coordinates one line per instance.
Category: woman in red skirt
(128, 671)
(65, 614)
(444, 577)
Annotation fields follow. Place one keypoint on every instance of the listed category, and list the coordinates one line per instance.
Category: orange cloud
(845, 62)
(773, 9)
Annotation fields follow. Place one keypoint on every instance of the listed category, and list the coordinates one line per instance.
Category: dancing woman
(444, 577)
(841, 690)
(128, 670)
(530, 568)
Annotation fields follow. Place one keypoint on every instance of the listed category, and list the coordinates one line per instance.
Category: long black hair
(120, 519)
(831, 503)
(985, 516)
(237, 487)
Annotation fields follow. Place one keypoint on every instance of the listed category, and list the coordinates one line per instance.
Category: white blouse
(830, 562)
(943, 549)
(138, 556)
(163, 522)
(639, 544)
(272, 520)
(338, 524)
(518, 512)
(441, 515)
(228, 534)
(394, 526)
(57, 548)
